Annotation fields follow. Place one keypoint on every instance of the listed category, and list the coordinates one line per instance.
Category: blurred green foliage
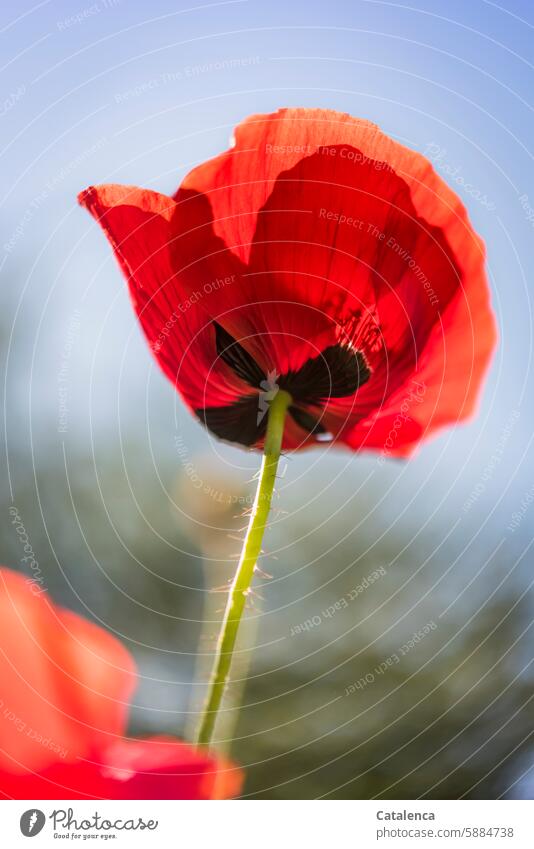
(142, 548)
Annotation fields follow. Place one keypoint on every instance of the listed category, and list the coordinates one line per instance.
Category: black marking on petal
(337, 372)
(306, 421)
(238, 358)
(235, 423)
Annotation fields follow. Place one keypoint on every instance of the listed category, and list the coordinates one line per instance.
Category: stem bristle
(240, 590)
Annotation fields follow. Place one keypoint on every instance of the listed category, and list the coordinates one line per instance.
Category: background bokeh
(132, 509)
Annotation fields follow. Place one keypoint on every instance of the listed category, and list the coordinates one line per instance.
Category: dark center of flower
(337, 372)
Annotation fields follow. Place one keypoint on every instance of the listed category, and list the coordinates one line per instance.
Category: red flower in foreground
(319, 256)
(65, 686)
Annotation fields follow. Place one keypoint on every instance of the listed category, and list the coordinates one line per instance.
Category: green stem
(245, 570)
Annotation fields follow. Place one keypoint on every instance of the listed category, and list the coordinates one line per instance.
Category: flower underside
(339, 268)
(337, 372)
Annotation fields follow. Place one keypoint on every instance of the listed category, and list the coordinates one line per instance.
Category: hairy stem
(245, 569)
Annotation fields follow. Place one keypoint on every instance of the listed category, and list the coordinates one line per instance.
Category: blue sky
(137, 93)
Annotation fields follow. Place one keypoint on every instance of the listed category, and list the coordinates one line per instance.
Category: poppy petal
(334, 218)
(156, 768)
(65, 687)
(65, 683)
(444, 389)
(141, 227)
(332, 236)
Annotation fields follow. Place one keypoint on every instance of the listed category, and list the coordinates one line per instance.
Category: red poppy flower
(319, 256)
(65, 686)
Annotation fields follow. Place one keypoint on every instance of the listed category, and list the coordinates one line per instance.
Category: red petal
(65, 683)
(144, 230)
(273, 216)
(446, 385)
(157, 768)
(239, 182)
(430, 296)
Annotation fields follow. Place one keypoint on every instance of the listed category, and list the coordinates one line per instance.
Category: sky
(129, 92)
